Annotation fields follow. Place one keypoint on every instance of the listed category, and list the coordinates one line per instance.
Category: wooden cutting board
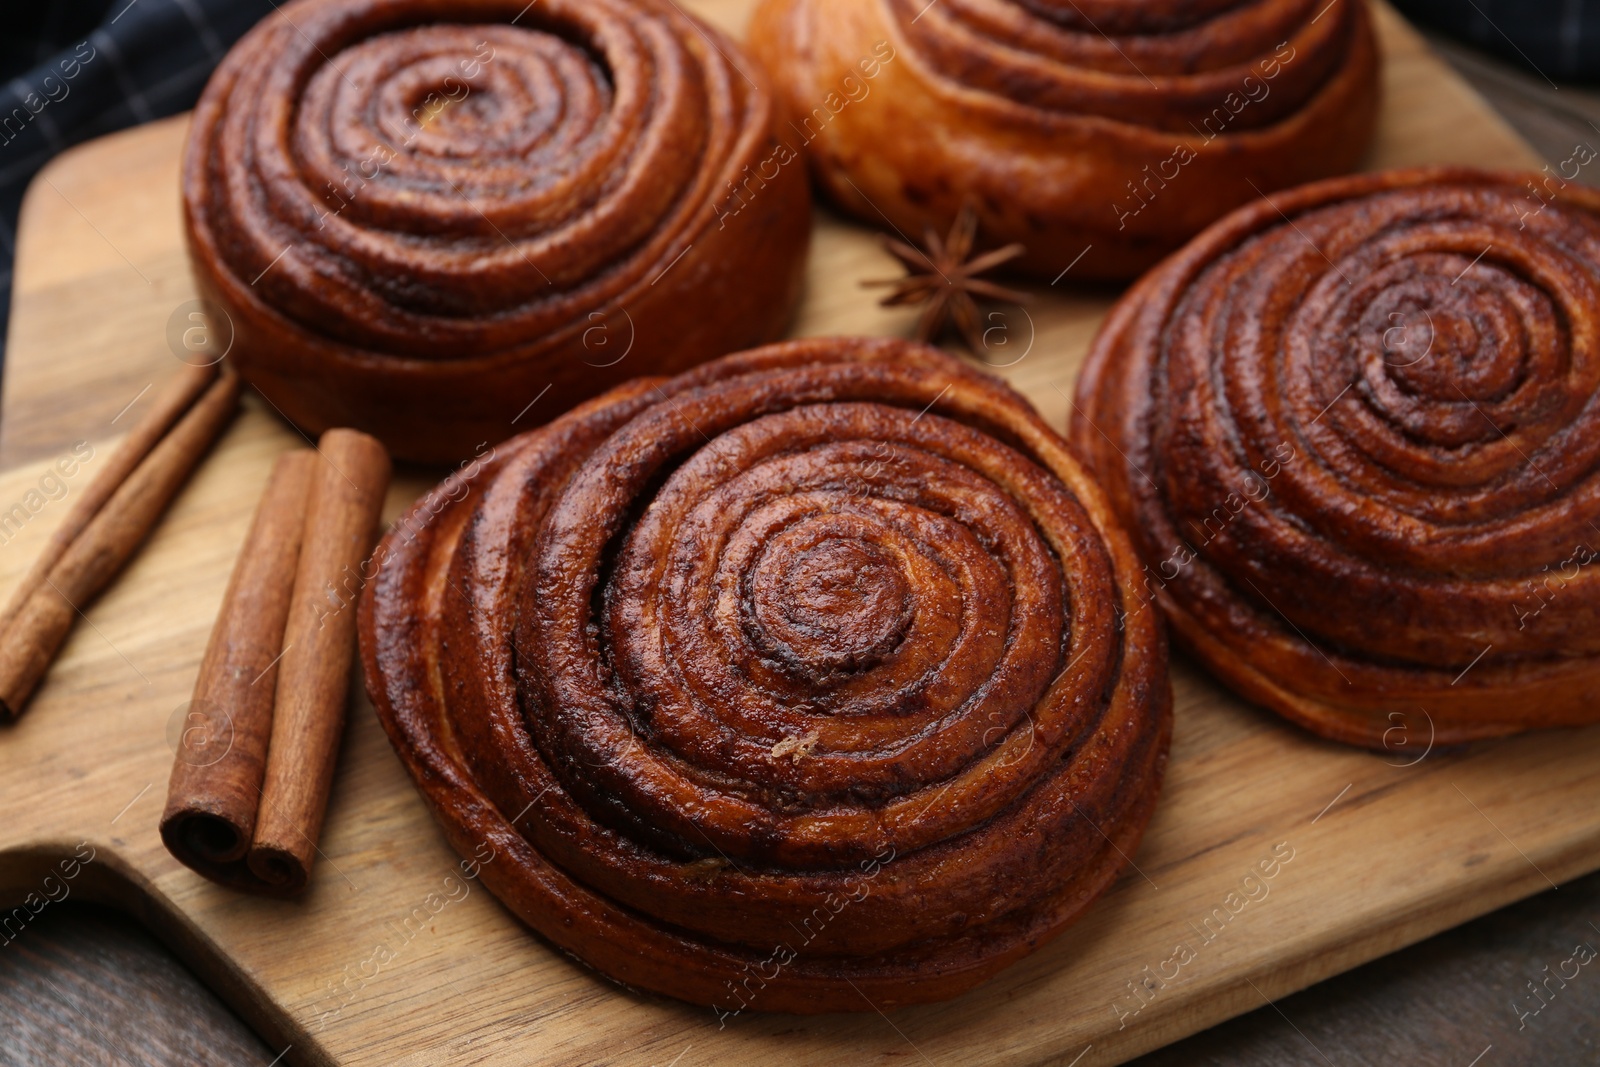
(389, 960)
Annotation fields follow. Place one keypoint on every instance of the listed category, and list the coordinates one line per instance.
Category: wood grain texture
(1444, 1003)
(1383, 854)
(80, 987)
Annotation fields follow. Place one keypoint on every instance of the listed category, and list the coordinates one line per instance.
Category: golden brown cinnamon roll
(1356, 432)
(1107, 129)
(421, 214)
(799, 682)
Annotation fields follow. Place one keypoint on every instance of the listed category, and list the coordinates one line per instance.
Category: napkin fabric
(75, 69)
(1558, 40)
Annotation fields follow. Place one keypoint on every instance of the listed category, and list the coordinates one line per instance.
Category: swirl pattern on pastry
(805, 670)
(420, 213)
(1357, 432)
(1123, 128)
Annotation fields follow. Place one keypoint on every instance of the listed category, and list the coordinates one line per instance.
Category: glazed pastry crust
(1358, 452)
(1120, 128)
(419, 217)
(817, 653)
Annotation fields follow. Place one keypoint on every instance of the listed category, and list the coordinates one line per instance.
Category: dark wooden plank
(83, 985)
(1461, 998)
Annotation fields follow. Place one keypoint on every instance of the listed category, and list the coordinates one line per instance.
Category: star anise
(945, 279)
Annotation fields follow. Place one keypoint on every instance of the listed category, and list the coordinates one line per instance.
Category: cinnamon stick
(105, 543)
(176, 396)
(347, 490)
(217, 777)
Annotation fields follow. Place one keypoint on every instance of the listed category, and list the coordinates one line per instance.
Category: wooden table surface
(87, 985)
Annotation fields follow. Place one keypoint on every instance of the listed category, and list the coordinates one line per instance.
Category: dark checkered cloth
(1557, 39)
(75, 69)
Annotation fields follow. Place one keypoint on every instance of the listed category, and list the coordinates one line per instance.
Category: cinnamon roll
(805, 681)
(423, 216)
(1355, 429)
(1108, 130)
